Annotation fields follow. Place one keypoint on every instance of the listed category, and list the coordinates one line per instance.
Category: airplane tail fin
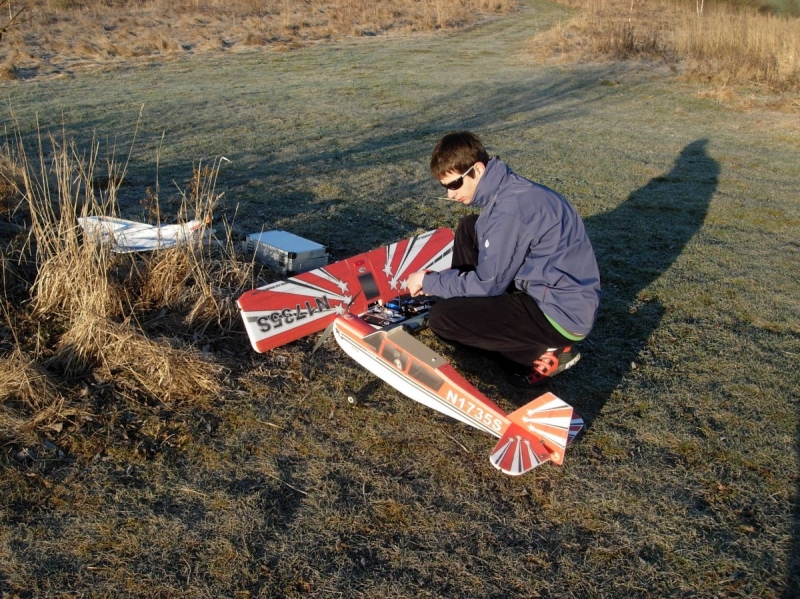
(540, 431)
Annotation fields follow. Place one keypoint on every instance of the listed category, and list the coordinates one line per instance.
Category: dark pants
(511, 324)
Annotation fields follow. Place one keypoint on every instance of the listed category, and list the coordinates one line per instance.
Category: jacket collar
(496, 171)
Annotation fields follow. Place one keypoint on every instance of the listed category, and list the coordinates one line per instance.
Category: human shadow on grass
(792, 589)
(636, 243)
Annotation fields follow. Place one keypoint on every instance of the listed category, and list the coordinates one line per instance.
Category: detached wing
(306, 303)
(127, 236)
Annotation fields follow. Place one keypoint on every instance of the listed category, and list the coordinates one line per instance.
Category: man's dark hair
(457, 151)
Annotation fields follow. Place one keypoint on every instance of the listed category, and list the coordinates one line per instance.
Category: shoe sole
(571, 363)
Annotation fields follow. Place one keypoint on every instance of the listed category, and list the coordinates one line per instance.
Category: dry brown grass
(30, 400)
(202, 280)
(71, 276)
(120, 351)
(729, 46)
(183, 280)
(11, 177)
(64, 35)
(90, 304)
(723, 44)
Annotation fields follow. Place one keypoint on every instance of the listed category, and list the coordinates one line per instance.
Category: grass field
(265, 484)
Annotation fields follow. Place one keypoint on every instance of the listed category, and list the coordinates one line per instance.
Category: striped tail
(518, 451)
(539, 432)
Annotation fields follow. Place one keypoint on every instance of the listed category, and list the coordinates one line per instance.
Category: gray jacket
(528, 234)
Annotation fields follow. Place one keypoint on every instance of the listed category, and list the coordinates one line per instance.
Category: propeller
(329, 329)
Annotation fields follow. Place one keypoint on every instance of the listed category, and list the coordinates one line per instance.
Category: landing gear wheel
(351, 397)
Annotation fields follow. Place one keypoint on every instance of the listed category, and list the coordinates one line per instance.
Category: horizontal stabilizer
(518, 451)
(550, 419)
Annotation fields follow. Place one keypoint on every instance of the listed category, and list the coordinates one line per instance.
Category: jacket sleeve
(503, 247)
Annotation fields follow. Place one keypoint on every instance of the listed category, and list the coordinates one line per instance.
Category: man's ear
(480, 167)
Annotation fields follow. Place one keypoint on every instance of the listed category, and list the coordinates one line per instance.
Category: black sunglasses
(456, 183)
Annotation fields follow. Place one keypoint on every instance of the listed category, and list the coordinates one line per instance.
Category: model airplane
(127, 236)
(374, 331)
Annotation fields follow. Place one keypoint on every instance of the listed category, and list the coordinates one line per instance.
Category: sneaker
(552, 362)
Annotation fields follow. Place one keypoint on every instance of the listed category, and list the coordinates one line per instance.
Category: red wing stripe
(413, 248)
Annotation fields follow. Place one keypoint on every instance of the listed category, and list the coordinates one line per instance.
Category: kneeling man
(524, 280)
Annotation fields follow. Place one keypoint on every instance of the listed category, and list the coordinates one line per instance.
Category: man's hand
(414, 283)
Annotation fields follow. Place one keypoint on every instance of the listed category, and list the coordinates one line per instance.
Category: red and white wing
(306, 303)
(423, 252)
(287, 310)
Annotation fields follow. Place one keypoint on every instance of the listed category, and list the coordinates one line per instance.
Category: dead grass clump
(29, 399)
(216, 290)
(201, 282)
(10, 184)
(26, 381)
(119, 351)
(7, 71)
(76, 278)
(75, 282)
(71, 275)
(166, 281)
(218, 278)
(253, 38)
(92, 299)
